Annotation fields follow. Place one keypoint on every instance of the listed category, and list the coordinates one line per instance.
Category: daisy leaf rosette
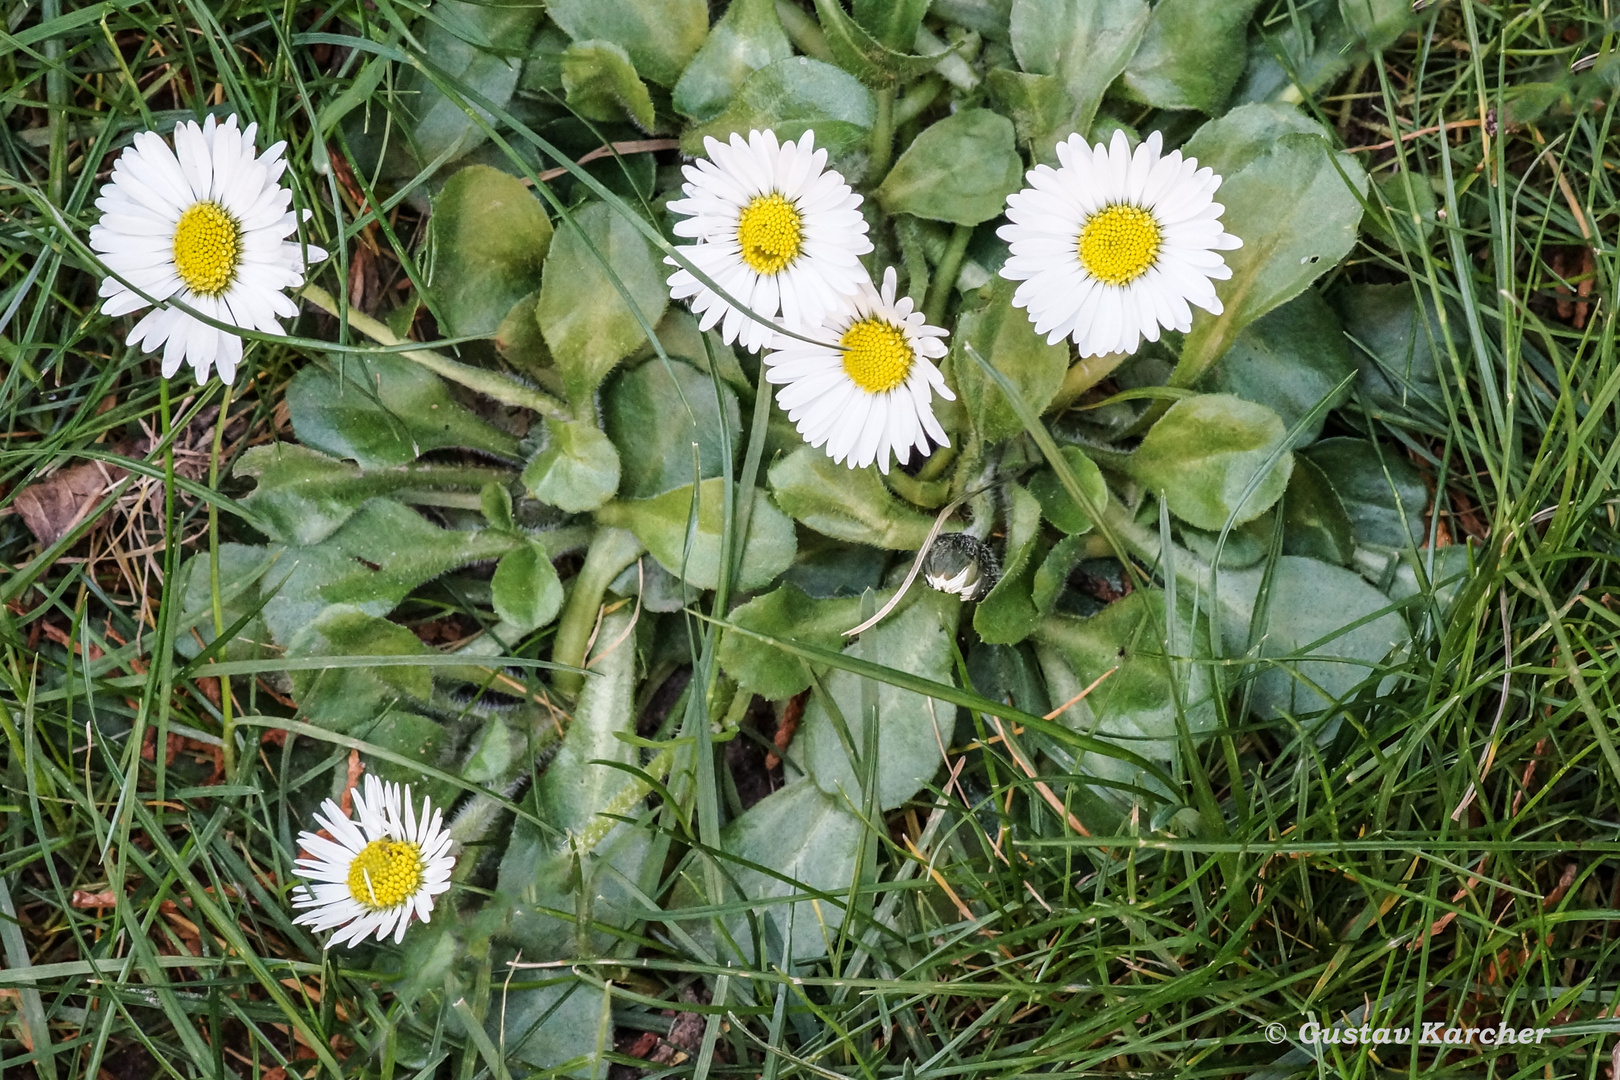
(204, 224)
(864, 388)
(775, 228)
(378, 869)
(1116, 245)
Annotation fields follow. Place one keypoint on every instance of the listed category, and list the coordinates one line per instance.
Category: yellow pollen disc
(207, 248)
(385, 874)
(877, 357)
(771, 232)
(1119, 243)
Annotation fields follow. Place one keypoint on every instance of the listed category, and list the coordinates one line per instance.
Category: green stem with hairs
(491, 384)
(950, 264)
(610, 552)
(803, 31)
(880, 149)
(227, 718)
(1082, 375)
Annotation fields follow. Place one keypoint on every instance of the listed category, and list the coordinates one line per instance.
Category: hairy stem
(491, 384)
(950, 264)
(610, 552)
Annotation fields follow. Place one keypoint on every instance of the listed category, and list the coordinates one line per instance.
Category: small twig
(1435, 130)
(1040, 785)
(634, 146)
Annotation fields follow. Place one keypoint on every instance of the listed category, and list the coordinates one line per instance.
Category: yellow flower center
(771, 232)
(877, 356)
(1119, 243)
(207, 248)
(385, 874)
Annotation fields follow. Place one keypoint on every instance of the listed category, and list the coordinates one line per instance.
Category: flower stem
(227, 719)
(491, 384)
(881, 147)
(950, 264)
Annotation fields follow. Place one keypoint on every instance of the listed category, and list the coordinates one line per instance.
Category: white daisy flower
(775, 228)
(866, 390)
(1114, 245)
(203, 224)
(377, 870)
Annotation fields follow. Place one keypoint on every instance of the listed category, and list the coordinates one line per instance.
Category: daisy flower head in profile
(205, 224)
(1115, 244)
(377, 870)
(866, 388)
(775, 228)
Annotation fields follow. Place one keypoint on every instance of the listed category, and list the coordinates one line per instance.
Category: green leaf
(1245, 545)
(762, 668)
(791, 97)
(1008, 673)
(1053, 573)
(1205, 451)
(893, 22)
(1037, 104)
(241, 568)
(1377, 23)
(578, 788)
(648, 413)
(343, 698)
(302, 495)
(1288, 361)
(1135, 705)
(810, 839)
(525, 589)
(1192, 54)
(378, 556)
(1294, 202)
(490, 236)
(1400, 218)
(960, 169)
(1057, 505)
(1241, 137)
(988, 17)
(844, 503)
(877, 65)
(602, 84)
(662, 525)
(1315, 523)
(1307, 55)
(381, 410)
(1085, 43)
(1008, 614)
(1004, 335)
(495, 502)
(1383, 494)
(474, 45)
(1309, 600)
(586, 323)
(577, 471)
(748, 36)
(547, 1027)
(918, 640)
(1399, 347)
(661, 36)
